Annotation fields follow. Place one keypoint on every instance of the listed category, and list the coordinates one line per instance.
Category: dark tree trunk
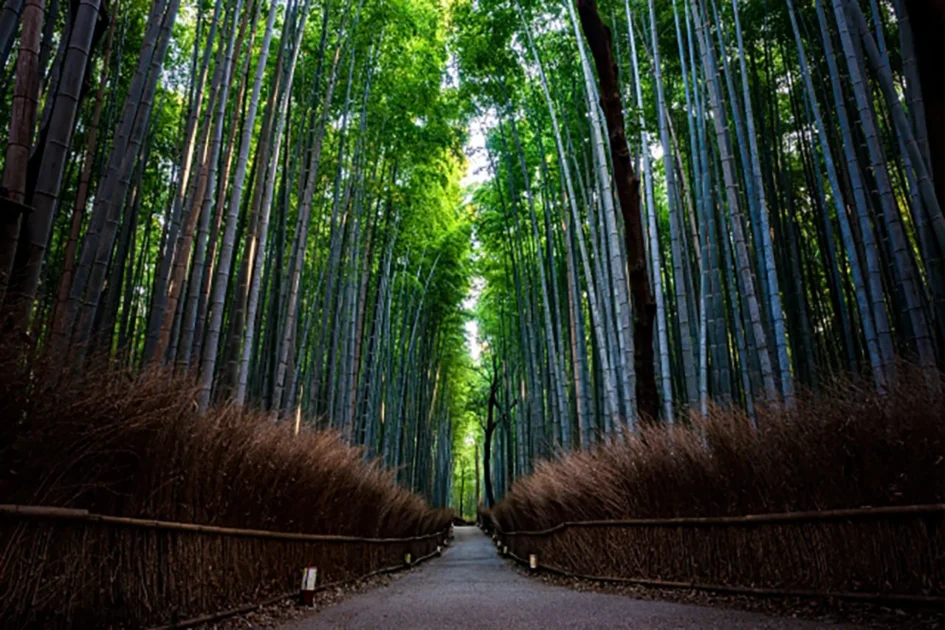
(462, 492)
(490, 430)
(600, 40)
(476, 459)
(928, 23)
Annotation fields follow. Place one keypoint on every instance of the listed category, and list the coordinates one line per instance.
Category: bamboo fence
(64, 568)
(882, 554)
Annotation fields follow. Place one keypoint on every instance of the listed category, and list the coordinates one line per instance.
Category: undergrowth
(844, 447)
(132, 444)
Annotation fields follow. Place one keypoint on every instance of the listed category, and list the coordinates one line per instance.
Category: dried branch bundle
(847, 447)
(118, 443)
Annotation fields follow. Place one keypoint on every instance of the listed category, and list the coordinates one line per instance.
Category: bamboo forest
(476, 248)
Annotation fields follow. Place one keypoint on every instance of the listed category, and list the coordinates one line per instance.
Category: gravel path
(471, 587)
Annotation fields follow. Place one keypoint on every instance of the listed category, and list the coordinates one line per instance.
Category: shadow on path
(471, 587)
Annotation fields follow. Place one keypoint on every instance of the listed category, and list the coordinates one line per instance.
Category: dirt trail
(471, 587)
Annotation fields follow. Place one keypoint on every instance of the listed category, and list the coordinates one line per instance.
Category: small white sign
(533, 561)
(309, 578)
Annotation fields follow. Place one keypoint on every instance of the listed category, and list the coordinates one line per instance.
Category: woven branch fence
(891, 554)
(68, 568)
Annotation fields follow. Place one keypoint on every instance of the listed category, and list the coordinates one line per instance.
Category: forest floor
(471, 587)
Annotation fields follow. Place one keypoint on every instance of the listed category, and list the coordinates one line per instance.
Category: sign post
(309, 580)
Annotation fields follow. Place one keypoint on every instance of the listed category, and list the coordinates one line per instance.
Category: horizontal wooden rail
(69, 514)
(226, 614)
(893, 598)
(752, 519)
(233, 612)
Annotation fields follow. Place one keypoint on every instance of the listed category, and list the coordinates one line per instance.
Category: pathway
(471, 587)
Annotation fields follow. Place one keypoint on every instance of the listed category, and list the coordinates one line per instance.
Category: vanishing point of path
(471, 587)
